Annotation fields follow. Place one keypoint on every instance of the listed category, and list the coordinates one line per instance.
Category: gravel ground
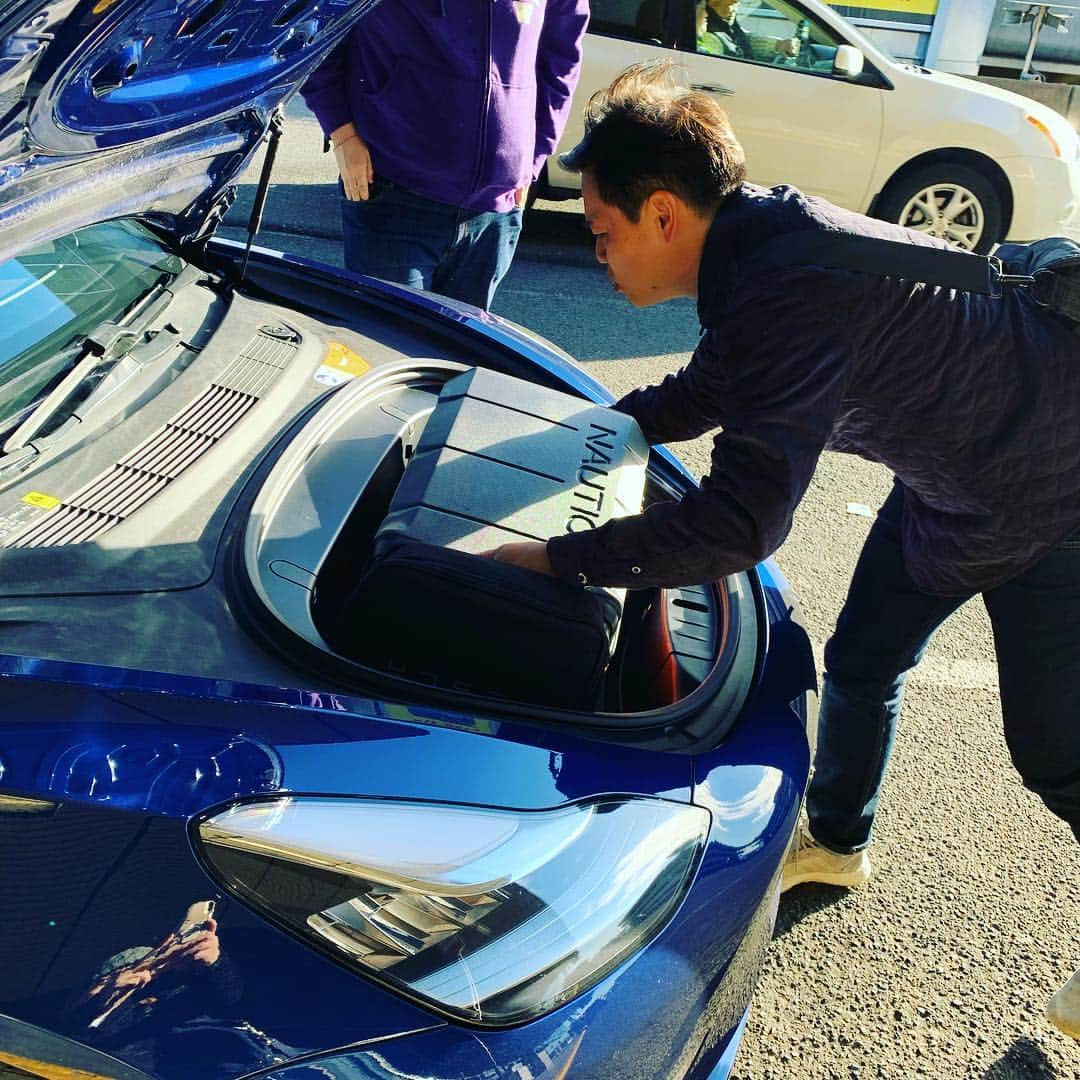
(942, 965)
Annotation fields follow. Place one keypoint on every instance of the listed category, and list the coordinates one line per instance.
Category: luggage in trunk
(500, 460)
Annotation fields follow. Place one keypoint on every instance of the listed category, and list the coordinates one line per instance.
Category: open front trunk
(182, 494)
(322, 518)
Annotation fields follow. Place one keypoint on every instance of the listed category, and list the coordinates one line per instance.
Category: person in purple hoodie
(972, 401)
(441, 113)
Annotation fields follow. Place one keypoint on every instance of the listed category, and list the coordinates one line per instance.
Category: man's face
(632, 251)
(724, 8)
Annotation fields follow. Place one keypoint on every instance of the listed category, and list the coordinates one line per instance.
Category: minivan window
(764, 32)
(634, 20)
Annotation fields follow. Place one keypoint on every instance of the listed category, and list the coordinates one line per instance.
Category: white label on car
(34, 505)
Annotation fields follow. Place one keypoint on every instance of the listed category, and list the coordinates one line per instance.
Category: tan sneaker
(807, 860)
(1063, 1010)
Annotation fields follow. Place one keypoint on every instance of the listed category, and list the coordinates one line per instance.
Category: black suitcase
(500, 460)
(444, 617)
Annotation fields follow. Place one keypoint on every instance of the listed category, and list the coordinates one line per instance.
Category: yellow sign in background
(908, 7)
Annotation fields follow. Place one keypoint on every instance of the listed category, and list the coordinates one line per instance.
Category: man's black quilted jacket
(972, 401)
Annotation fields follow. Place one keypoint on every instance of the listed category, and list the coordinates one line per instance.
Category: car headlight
(492, 916)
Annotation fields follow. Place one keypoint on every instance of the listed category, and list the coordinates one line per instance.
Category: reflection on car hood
(143, 106)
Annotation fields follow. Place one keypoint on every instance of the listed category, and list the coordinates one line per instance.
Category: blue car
(258, 815)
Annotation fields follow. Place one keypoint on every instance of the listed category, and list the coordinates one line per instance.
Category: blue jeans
(883, 631)
(429, 245)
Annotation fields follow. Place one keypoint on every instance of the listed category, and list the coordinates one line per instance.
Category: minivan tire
(896, 201)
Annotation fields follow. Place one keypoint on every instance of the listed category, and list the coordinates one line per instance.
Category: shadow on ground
(1022, 1061)
(303, 209)
(560, 229)
(314, 210)
(805, 900)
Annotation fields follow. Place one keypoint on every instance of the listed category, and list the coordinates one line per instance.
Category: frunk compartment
(674, 645)
(500, 460)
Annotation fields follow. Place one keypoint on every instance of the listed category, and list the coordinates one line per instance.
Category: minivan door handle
(712, 88)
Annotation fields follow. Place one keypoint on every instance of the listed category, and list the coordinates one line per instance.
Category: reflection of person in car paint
(161, 1007)
(132, 983)
(722, 35)
(166, 1007)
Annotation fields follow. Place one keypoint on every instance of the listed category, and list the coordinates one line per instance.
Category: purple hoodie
(460, 101)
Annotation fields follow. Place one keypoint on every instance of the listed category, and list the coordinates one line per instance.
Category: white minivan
(817, 105)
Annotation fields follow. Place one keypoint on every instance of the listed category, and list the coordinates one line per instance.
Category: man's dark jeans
(430, 245)
(883, 631)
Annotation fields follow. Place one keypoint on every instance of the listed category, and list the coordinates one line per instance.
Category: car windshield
(55, 294)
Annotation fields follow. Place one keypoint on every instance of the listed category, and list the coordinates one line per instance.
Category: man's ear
(666, 211)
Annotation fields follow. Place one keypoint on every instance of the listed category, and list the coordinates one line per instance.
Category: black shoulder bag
(1048, 270)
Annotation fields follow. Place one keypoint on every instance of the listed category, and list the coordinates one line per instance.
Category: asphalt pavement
(941, 966)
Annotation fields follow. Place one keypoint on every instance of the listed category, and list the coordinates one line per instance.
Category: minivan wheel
(951, 201)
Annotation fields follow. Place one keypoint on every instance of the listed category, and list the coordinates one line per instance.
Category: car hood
(151, 107)
(1061, 129)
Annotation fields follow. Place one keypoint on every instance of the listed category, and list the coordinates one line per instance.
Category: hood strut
(277, 125)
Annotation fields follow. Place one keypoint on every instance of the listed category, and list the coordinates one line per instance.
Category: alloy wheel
(949, 211)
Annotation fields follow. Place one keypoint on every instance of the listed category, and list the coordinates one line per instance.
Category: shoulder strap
(952, 268)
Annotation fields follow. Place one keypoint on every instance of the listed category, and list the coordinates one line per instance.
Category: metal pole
(1036, 26)
(277, 125)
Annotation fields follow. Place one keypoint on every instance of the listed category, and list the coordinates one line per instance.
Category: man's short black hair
(645, 133)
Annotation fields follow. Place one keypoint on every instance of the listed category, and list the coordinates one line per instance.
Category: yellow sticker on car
(44, 502)
(340, 364)
(46, 1070)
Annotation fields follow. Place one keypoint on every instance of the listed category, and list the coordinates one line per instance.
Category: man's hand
(521, 197)
(530, 555)
(787, 47)
(199, 945)
(353, 161)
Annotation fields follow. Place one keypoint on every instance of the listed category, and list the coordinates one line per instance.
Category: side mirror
(848, 62)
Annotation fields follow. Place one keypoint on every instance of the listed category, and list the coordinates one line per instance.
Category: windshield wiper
(108, 357)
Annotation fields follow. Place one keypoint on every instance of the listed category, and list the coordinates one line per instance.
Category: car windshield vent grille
(132, 482)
